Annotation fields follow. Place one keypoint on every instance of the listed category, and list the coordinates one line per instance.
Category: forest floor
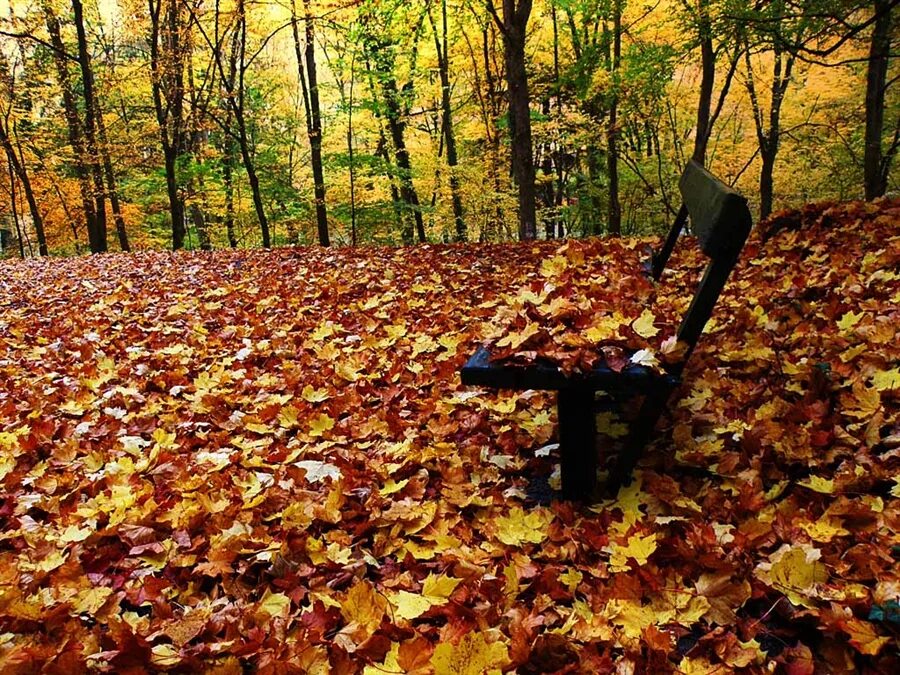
(249, 458)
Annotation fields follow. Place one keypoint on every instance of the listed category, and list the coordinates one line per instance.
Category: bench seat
(480, 371)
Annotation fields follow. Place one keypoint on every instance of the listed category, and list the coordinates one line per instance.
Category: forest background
(128, 124)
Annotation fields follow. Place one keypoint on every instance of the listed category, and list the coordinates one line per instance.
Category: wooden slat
(719, 215)
(481, 371)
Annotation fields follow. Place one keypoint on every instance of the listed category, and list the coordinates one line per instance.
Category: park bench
(721, 221)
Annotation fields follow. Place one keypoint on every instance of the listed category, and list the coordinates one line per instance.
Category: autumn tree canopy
(199, 124)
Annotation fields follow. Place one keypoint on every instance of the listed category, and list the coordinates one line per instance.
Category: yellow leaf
(287, 417)
(90, 600)
(639, 548)
(608, 424)
(795, 571)
(605, 328)
(473, 655)
(439, 587)
(824, 529)
(643, 325)
(319, 424)
(514, 339)
(864, 401)
(571, 578)
(819, 484)
(274, 604)
(393, 486)
(520, 527)
(410, 606)
(164, 439)
(74, 533)
(553, 267)
(390, 665)
(849, 320)
(164, 656)
(895, 491)
(863, 636)
(886, 379)
(633, 618)
(364, 606)
(311, 395)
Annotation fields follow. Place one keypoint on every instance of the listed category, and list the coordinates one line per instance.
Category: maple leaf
(316, 471)
(364, 606)
(886, 380)
(520, 527)
(439, 587)
(819, 484)
(515, 339)
(273, 604)
(639, 548)
(410, 605)
(795, 571)
(319, 424)
(643, 325)
(472, 655)
(863, 636)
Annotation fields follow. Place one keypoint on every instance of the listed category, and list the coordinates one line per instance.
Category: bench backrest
(721, 221)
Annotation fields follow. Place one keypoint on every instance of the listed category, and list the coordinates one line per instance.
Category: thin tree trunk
(228, 184)
(707, 80)
(614, 217)
(236, 98)
(313, 114)
(513, 26)
(118, 218)
(875, 167)
(73, 123)
(167, 82)
(15, 208)
(98, 241)
(442, 48)
(22, 173)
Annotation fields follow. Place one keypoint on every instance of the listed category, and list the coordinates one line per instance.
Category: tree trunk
(707, 80)
(253, 179)
(766, 182)
(236, 99)
(98, 240)
(167, 84)
(515, 21)
(612, 132)
(119, 220)
(875, 167)
(313, 114)
(14, 207)
(176, 206)
(73, 123)
(228, 184)
(22, 174)
(442, 48)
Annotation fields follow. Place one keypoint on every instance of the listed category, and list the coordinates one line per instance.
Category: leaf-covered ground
(266, 460)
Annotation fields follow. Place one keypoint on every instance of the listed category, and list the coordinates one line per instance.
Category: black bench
(721, 221)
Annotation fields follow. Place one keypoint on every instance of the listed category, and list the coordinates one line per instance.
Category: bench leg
(639, 435)
(577, 442)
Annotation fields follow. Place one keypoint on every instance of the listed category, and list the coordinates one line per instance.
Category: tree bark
(167, 84)
(614, 216)
(21, 172)
(73, 123)
(118, 218)
(875, 166)
(513, 26)
(442, 48)
(707, 80)
(98, 240)
(381, 57)
(313, 114)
